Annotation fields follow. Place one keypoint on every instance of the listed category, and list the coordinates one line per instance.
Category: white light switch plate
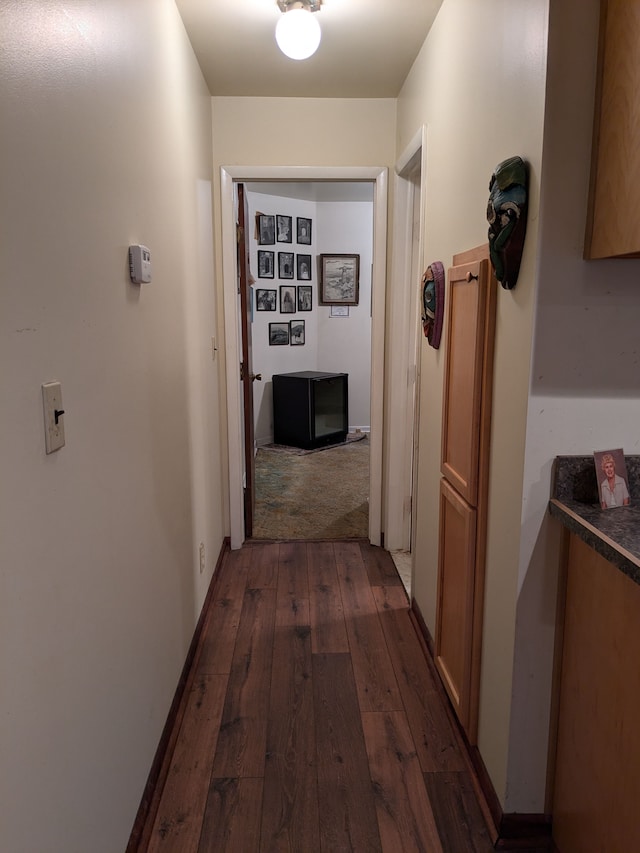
(52, 402)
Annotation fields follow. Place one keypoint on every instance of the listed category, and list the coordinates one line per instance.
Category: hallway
(312, 719)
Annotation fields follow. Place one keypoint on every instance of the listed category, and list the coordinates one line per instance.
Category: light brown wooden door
(466, 434)
(456, 586)
(467, 297)
(247, 376)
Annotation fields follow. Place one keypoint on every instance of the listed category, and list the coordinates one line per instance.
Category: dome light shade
(298, 34)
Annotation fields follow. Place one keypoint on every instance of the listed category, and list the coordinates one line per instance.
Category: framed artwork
(266, 229)
(284, 229)
(265, 264)
(285, 264)
(296, 334)
(304, 297)
(288, 299)
(611, 471)
(266, 300)
(303, 267)
(339, 279)
(278, 334)
(303, 230)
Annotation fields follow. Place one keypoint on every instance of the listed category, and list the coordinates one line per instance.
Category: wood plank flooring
(313, 721)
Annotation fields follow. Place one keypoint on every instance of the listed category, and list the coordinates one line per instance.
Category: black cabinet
(310, 409)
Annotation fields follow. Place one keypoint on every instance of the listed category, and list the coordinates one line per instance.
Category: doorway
(378, 178)
(404, 355)
(321, 491)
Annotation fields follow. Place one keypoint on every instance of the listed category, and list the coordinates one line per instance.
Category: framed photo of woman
(611, 471)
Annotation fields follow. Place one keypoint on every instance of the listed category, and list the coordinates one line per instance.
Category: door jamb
(404, 349)
(228, 176)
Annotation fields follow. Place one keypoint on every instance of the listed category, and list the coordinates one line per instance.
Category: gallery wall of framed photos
(311, 295)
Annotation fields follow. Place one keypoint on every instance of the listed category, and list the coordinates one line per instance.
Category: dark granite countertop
(613, 533)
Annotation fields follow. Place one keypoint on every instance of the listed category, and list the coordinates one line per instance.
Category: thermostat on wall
(139, 264)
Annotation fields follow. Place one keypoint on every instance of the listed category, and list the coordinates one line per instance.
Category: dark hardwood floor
(313, 720)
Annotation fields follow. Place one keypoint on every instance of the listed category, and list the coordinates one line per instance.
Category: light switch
(53, 416)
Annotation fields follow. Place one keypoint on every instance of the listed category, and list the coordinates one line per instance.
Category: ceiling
(367, 47)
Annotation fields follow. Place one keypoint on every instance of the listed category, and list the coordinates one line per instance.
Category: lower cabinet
(596, 805)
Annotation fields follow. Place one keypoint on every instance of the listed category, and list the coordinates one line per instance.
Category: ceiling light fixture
(298, 32)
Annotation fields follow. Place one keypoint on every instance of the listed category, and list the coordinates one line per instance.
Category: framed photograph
(611, 471)
(284, 225)
(266, 300)
(303, 230)
(304, 297)
(265, 264)
(339, 279)
(288, 299)
(278, 334)
(266, 229)
(303, 267)
(339, 311)
(285, 264)
(297, 333)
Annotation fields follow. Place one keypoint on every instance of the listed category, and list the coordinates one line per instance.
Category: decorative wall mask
(433, 302)
(507, 217)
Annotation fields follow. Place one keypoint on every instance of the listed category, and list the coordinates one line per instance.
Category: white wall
(333, 345)
(584, 378)
(479, 86)
(106, 141)
(344, 343)
(557, 389)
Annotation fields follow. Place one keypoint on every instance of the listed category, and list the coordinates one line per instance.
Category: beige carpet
(322, 495)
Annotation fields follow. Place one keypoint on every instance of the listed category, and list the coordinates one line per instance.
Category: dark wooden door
(247, 376)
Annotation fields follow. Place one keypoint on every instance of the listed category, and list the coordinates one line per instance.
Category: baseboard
(508, 831)
(142, 825)
(524, 832)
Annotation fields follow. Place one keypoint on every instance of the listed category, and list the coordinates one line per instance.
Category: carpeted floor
(320, 495)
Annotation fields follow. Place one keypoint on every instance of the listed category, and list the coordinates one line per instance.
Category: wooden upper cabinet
(613, 224)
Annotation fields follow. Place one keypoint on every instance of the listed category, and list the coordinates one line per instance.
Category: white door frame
(404, 341)
(228, 175)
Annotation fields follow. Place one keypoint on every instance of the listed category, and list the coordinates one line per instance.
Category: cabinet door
(597, 786)
(613, 227)
(456, 593)
(467, 292)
